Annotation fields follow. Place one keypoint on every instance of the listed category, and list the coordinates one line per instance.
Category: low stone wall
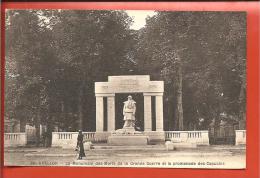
(69, 139)
(15, 139)
(155, 136)
(198, 137)
(240, 137)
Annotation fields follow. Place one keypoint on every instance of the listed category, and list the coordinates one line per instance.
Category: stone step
(141, 147)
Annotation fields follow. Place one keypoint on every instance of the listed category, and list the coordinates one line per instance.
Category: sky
(139, 17)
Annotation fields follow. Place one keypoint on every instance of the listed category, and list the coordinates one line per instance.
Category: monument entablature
(129, 84)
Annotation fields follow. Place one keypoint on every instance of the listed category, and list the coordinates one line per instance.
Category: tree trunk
(80, 101)
(22, 125)
(49, 128)
(80, 112)
(37, 128)
(242, 104)
(179, 111)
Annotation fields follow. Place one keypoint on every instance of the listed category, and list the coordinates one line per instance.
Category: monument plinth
(128, 135)
(130, 140)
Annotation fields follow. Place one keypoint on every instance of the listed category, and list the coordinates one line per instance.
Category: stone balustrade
(240, 137)
(69, 139)
(199, 137)
(15, 139)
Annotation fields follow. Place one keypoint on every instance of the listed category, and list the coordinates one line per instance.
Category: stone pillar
(147, 112)
(159, 112)
(111, 113)
(99, 114)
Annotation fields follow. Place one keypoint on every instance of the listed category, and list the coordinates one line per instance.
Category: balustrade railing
(15, 139)
(199, 137)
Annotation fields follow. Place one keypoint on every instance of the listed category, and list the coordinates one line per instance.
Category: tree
(200, 56)
(27, 55)
(90, 41)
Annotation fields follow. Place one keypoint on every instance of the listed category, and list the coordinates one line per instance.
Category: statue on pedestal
(128, 135)
(129, 110)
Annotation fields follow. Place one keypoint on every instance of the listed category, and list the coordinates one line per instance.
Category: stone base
(128, 129)
(88, 146)
(130, 140)
(125, 131)
(155, 137)
(184, 145)
(169, 145)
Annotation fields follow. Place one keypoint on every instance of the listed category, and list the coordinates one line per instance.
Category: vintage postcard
(125, 88)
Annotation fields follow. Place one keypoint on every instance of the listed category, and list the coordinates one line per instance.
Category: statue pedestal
(130, 140)
(127, 130)
(127, 136)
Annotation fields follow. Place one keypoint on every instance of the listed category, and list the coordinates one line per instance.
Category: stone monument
(130, 84)
(128, 135)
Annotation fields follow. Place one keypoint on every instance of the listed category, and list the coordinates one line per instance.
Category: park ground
(222, 156)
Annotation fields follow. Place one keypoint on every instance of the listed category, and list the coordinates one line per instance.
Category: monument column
(147, 112)
(111, 112)
(159, 112)
(99, 114)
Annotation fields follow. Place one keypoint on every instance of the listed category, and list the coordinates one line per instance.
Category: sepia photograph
(125, 88)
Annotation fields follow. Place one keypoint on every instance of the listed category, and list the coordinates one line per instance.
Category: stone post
(111, 113)
(159, 112)
(99, 114)
(147, 112)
